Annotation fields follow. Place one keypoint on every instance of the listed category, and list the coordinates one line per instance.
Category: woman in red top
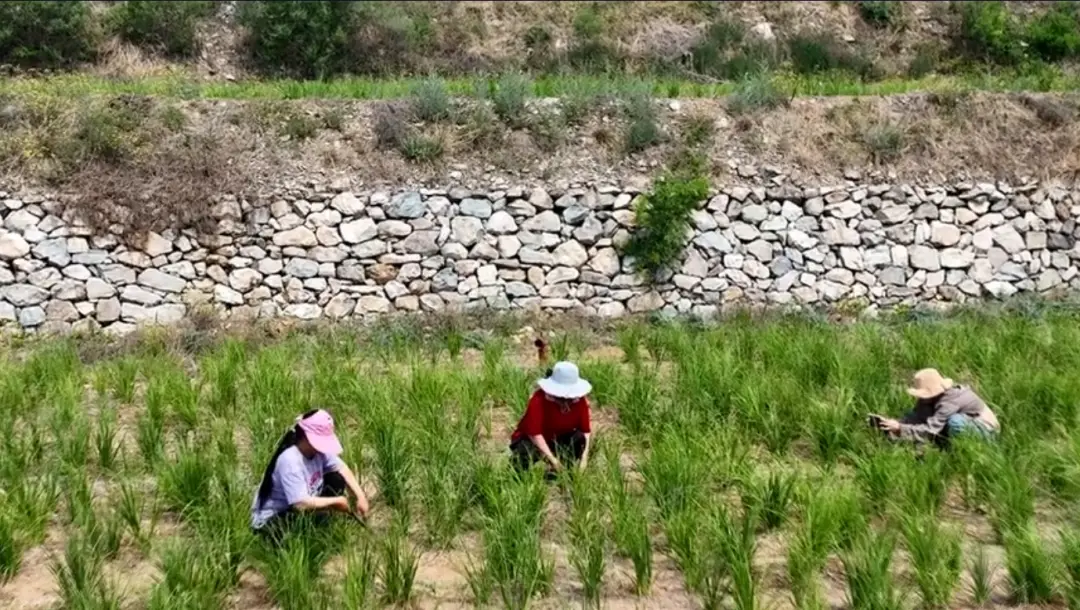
(556, 422)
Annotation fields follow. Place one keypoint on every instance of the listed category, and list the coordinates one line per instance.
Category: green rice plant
(867, 571)
(104, 529)
(187, 481)
(394, 460)
(514, 559)
(80, 579)
(982, 577)
(924, 483)
(1012, 497)
(150, 435)
(170, 391)
(674, 471)
(639, 403)
(876, 474)
(806, 557)
(105, 445)
(131, 505)
(1070, 563)
(360, 572)
(935, 555)
(630, 530)
(11, 548)
(770, 497)
(292, 571)
(73, 440)
(399, 565)
(588, 537)
(689, 549)
(1032, 570)
(223, 371)
(121, 376)
(33, 500)
(78, 495)
(630, 343)
(445, 487)
(193, 570)
(737, 541)
(831, 426)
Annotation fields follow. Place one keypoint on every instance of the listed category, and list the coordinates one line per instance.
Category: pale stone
(501, 223)
(156, 245)
(302, 237)
(23, 295)
(303, 311)
(942, 234)
(99, 289)
(650, 301)
(228, 296)
(347, 203)
(357, 231)
(466, 230)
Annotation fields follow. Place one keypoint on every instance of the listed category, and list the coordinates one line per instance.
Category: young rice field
(732, 468)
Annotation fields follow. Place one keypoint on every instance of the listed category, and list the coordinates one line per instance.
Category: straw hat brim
(931, 392)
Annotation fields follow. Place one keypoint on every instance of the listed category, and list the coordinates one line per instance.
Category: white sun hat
(565, 382)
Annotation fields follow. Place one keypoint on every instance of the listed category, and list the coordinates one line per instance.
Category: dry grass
(120, 152)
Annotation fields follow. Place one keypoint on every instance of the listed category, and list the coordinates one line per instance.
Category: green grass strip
(547, 86)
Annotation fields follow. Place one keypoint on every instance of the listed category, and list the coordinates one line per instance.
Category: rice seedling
(630, 528)
(360, 572)
(867, 571)
(150, 436)
(1012, 498)
(105, 445)
(737, 541)
(399, 565)
(10, 548)
(120, 379)
(187, 481)
(832, 426)
(80, 579)
(770, 497)
(1070, 563)
(446, 488)
(130, 505)
(1032, 570)
(682, 530)
(292, 572)
(982, 576)
(935, 556)
(394, 457)
(588, 538)
(674, 471)
(514, 559)
(194, 571)
(33, 500)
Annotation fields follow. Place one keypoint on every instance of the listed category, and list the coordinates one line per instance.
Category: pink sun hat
(319, 431)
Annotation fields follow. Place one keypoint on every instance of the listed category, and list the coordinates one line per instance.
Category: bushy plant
(817, 52)
(867, 570)
(509, 97)
(880, 13)
(989, 32)
(169, 28)
(1031, 568)
(642, 128)
(300, 38)
(431, 101)
(935, 555)
(45, 34)
(662, 218)
(757, 92)
(1055, 34)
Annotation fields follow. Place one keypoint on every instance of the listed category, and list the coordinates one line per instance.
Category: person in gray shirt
(942, 411)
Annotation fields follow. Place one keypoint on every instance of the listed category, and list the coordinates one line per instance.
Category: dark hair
(292, 436)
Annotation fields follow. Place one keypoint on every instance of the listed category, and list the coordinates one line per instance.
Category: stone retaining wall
(319, 253)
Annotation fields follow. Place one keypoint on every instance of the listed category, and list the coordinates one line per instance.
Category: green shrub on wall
(45, 34)
(310, 39)
(1055, 34)
(662, 218)
(164, 27)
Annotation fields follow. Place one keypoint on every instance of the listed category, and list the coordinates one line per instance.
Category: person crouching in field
(305, 475)
(943, 410)
(556, 427)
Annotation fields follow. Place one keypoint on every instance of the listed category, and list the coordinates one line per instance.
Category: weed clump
(662, 218)
(305, 39)
(880, 13)
(46, 34)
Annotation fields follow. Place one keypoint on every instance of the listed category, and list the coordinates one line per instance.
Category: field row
(733, 467)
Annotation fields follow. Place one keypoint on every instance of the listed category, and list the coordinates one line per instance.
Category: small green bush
(508, 98)
(590, 52)
(45, 34)
(1055, 34)
(662, 218)
(300, 38)
(164, 27)
(880, 13)
(642, 129)
(756, 93)
(885, 142)
(989, 32)
(431, 101)
(539, 48)
(421, 148)
(925, 61)
(710, 54)
(814, 53)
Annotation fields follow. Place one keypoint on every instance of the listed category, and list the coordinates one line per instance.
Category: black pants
(280, 524)
(567, 447)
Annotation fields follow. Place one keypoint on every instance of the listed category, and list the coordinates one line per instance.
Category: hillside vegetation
(694, 40)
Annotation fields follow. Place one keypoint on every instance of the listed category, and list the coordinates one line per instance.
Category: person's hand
(341, 503)
(889, 425)
(556, 465)
(583, 463)
(362, 507)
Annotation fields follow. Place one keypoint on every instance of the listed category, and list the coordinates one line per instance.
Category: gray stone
(69, 290)
(347, 203)
(357, 231)
(575, 215)
(301, 268)
(340, 306)
(466, 230)
(156, 245)
(754, 214)
(12, 246)
(135, 294)
(942, 234)
(107, 311)
(445, 280)
(23, 295)
(161, 281)
(530, 256)
(392, 228)
(372, 304)
(99, 289)
(957, 258)
(1006, 237)
(544, 222)
(650, 301)
(836, 233)
(244, 279)
(369, 249)
(761, 250)
(30, 317)
(923, 257)
(501, 223)
(301, 237)
(480, 208)
(713, 242)
(421, 242)
(570, 254)
(406, 205)
(228, 296)
(303, 311)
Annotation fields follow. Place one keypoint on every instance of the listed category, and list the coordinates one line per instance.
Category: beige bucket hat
(929, 383)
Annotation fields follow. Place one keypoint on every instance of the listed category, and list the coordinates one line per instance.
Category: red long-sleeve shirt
(544, 417)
